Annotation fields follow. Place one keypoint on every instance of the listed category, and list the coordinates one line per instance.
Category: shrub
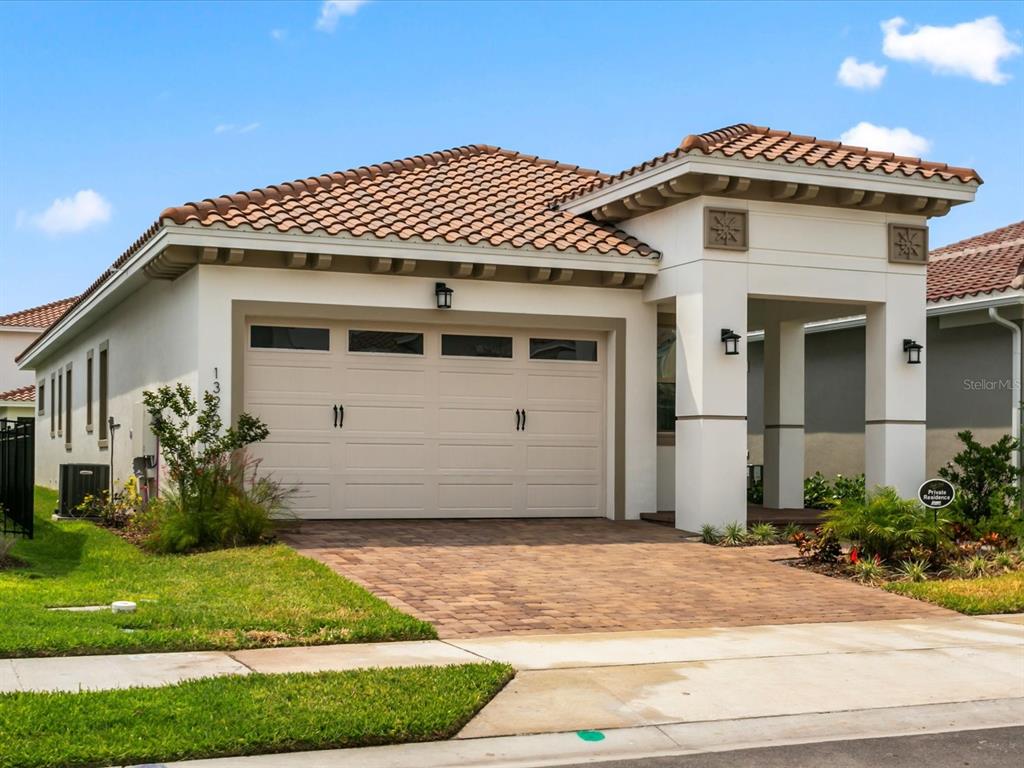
(987, 498)
(913, 570)
(820, 547)
(817, 492)
(846, 489)
(869, 571)
(763, 533)
(709, 534)
(888, 527)
(1004, 561)
(733, 535)
(958, 569)
(790, 531)
(216, 498)
(755, 492)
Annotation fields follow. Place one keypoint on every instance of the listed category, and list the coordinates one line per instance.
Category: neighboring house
(475, 332)
(17, 331)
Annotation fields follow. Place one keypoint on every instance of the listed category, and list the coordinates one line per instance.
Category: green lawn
(991, 594)
(239, 598)
(257, 714)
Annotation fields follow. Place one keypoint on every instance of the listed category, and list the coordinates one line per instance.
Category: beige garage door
(378, 421)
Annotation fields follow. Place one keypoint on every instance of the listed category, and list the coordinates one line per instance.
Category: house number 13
(216, 384)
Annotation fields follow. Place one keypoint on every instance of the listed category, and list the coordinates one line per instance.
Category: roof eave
(691, 165)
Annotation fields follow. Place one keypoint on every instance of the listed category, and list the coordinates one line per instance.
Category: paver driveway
(487, 577)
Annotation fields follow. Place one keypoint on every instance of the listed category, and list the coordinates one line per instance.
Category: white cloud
(878, 137)
(974, 48)
(332, 10)
(232, 128)
(863, 75)
(69, 214)
(279, 34)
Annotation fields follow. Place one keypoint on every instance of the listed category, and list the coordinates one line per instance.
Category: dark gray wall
(968, 388)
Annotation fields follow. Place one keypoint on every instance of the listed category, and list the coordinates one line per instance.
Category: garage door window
(456, 345)
(284, 337)
(563, 349)
(386, 342)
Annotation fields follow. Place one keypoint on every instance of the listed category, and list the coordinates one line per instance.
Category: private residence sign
(936, 494)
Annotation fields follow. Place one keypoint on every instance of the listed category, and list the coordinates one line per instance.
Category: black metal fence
(17, 475)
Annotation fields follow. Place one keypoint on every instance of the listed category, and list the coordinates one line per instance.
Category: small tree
(984, 477)
(194, 442)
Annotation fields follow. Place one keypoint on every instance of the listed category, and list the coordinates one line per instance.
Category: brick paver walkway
(486, 577)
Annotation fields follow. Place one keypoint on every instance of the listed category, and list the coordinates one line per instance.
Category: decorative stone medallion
(725, 228)
(908, 244)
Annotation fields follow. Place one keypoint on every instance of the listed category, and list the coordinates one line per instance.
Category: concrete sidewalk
(575, 661)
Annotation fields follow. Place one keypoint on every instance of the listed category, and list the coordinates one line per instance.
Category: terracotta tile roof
(755, 141)
(990, 262)
(476, 194)
(19, 395)
(38, 317)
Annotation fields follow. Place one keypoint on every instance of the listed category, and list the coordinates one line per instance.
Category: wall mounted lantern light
(913, 350)
(731, 340)
(444, 296)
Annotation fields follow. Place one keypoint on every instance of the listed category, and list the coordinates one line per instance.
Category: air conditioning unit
(78, 481)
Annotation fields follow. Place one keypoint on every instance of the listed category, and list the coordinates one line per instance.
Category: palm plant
(886, 526)
(958, 569)
(791, 530)
(978, 565)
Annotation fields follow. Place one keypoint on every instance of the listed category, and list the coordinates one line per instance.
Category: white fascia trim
(934, 309)
(21, 329)
(127, 270)
(339, 245)
(768, 170)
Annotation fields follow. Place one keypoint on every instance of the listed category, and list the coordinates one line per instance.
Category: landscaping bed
(243, 597)
(243, 715)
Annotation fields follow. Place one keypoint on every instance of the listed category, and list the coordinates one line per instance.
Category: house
(475, 332)
(17, 331)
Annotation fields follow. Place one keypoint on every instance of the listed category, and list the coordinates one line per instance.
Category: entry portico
(315, 305)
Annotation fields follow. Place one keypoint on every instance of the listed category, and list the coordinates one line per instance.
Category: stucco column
(711, 395)
(894, 408)
(639, 425)
(783, 413)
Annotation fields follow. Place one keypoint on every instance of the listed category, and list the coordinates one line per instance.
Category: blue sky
(120, 110)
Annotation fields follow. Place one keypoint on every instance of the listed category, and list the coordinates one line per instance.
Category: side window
(60, 402)
(103, 388)
(88, 391)
(666, 378)
(53, 405)
(563, 349)
(67, 406)
(41, 397)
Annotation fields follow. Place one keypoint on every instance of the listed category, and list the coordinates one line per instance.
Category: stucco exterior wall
(151, 338)
(12, 342)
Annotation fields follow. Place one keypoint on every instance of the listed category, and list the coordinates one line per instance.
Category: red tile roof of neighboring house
(38, 317)
(19, 395)
(755, 141)
(986, 263)
(476, 195)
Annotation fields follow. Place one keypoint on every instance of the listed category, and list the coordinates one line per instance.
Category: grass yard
(990, 594)
(254, 714)
(239, 598)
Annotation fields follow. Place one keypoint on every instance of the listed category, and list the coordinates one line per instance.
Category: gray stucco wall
(968, 388)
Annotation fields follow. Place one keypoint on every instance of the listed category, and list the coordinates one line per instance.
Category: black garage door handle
(341, 415)
(335, 417)
(524, 419)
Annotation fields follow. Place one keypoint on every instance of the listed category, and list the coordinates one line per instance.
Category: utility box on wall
(143, 439)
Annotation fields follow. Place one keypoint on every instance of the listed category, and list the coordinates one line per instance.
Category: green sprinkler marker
(590, 735)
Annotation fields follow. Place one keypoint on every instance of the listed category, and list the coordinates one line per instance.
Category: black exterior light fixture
(731, 340)
(913, 350)
(444, 296)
